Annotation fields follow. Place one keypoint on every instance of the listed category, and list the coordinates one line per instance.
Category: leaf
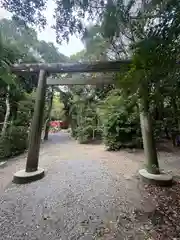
(9, 79)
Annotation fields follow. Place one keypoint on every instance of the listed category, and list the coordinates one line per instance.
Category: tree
(149, 35)
(26, 11)
(49, 53)
(57, 110)
(26, 41)
(119, 120)
(19, 43)
(50, 95)
(155, 56)
(22, 36)
(66, 21)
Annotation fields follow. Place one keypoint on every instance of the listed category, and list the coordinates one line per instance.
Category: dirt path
(87, 193)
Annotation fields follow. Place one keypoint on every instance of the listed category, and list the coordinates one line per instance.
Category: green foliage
(21, 36)
(120, 121)
(67, 23)
(19, 43)
(15, 139)
(83, 117)
(84, 134)
(14, 142)
(8, 56)
(24, 40)
(25, 110)
(111, 116)
(96, 45)
(26, 11)
(57, 112)
(49, 52)
(79, 56)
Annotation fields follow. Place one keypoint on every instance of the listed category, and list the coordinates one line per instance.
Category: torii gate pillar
(32, 172)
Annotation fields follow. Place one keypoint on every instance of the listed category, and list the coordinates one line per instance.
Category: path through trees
(88, 193)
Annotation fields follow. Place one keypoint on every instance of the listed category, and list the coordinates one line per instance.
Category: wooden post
(148, 138)
(152, 172)
(36, 126)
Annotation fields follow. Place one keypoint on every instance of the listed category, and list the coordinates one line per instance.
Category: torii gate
(32, 172)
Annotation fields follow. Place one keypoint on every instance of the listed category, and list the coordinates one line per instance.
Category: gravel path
(87, 193)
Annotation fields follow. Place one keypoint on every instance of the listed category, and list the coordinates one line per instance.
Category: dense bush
(114, 118)
(14, 142)
(85, 134)
(120, 122)
(83, 119)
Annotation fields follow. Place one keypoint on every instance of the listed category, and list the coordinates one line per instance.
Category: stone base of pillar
(22, 177)
(161, 179)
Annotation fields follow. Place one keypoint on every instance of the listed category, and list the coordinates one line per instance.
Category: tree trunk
(175, 132)
(167, 133)
(36, 126)
(148, 138)
(5, 124)
(73, 124)
(48, 116)
(175, 112)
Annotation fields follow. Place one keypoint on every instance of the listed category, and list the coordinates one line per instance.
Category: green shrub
(24, 112)
(5, 150)
(84, 134)
(83, 121)
(14, 142)
(120, 122)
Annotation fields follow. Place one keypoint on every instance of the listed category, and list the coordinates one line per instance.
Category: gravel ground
(87, 193)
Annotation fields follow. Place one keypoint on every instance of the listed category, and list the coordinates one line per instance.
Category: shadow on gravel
(164, 221)
(58, 138)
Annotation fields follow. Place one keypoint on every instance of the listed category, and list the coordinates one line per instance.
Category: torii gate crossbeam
(85, 67)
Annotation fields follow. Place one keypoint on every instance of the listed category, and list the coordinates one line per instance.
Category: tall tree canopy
(26, 41)
(70, 15)
(19, 43)
(30, 11)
